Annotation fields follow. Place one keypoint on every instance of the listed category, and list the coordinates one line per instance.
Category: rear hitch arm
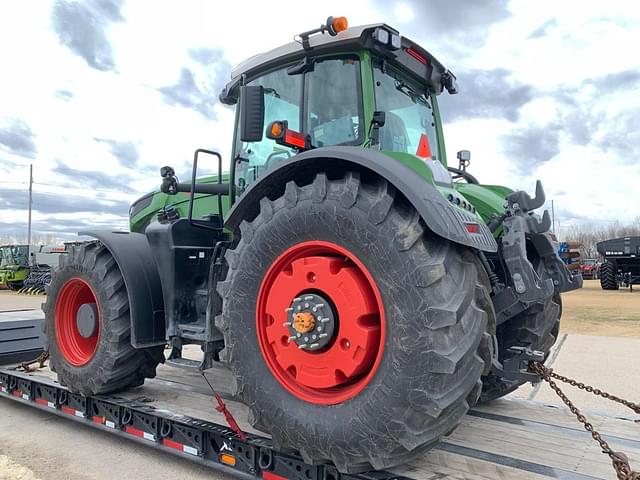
(517, 367)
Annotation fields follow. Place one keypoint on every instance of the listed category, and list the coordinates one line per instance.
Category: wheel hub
(87, 320)
(320, 322)
(311, 322)
(77, 321)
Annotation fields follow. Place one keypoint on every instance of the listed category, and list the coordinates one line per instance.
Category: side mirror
(251, 113)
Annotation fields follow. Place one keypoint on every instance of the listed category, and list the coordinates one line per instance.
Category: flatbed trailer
(175, 412)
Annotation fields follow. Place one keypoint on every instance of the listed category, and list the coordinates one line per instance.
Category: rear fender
(439, 216)
(144, 288)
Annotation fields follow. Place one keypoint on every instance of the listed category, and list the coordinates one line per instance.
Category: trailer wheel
(537, 328)
(87, 325)
(608, 277)
(353, 334)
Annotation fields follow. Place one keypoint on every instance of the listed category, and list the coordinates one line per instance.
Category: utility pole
(30, 202)
(553, 218)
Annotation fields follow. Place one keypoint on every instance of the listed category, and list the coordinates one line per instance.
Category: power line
(30, 205)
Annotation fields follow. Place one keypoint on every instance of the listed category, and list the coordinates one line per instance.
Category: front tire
(424, 304)
(88, 327)
(608, 277)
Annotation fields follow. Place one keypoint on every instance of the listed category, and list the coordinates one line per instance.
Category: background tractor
(28, 266)
(621, 266)
(14, 265)
(363, 293)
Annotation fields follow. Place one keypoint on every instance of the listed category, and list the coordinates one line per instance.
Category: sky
(99, 94)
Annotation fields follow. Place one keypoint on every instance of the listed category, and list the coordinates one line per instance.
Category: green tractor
(363, 293)
(14, 266)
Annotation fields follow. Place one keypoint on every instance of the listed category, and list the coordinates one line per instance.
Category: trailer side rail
(200, 441)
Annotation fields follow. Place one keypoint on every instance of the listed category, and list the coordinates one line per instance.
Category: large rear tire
(418, 339)
(88, 327)
(608, 277)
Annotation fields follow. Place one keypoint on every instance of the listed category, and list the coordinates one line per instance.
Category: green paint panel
(488, 199)
(202, 205)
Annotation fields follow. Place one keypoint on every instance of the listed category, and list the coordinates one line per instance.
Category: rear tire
(435, 316)
(103, 361)
(608, 277)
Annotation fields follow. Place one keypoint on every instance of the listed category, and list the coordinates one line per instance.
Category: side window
(409, 124)
(333, 114)
(282, 98)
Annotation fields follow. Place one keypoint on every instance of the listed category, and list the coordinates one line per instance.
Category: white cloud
(555, 47)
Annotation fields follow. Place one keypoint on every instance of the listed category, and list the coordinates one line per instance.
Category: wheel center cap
(311, 322)
(87, 320)
(304, 322)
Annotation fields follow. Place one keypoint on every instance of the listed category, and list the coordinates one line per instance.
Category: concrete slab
(12, 301)
(609, 363)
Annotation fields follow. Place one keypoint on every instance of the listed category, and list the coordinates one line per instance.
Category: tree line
(589, 235)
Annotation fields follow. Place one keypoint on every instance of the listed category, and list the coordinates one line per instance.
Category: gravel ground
(10, 470)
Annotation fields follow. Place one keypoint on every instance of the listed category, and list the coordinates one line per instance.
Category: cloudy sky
(98, 94)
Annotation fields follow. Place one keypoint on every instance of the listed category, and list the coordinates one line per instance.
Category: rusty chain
(619, 460)
(40, 360)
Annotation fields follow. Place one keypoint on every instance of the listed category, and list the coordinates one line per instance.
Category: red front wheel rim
(76, 349)
(347, 361)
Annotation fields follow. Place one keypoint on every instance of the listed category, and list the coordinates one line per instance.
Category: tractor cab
(364, 87)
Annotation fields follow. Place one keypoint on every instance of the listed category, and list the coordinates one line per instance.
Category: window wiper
(416, 97)
(271, 91)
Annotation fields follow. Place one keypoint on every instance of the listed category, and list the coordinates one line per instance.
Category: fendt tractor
(363, 293)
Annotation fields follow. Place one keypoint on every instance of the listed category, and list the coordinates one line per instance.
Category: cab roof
(409, 57)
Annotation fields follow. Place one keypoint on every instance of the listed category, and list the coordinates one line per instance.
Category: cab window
(334, 113)
(331, 113)
(282, 101)
(409, 119)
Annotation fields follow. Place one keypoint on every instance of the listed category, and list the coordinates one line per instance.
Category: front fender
(439, 216)
(144, 288)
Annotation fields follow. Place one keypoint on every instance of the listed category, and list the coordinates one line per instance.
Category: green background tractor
(14, 265)
(363, 293)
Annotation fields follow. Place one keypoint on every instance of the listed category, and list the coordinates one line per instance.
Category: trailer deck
(175, 412)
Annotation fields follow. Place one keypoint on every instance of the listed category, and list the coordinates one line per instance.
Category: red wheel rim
(345, 366)
(76, 349)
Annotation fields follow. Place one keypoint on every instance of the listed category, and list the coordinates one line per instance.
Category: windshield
(13, 255)
(331, 114)
(409, 120)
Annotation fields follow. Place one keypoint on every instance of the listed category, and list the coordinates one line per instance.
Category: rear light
(472, 227)
(280, 132)
(416, 55)
(228, 459)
